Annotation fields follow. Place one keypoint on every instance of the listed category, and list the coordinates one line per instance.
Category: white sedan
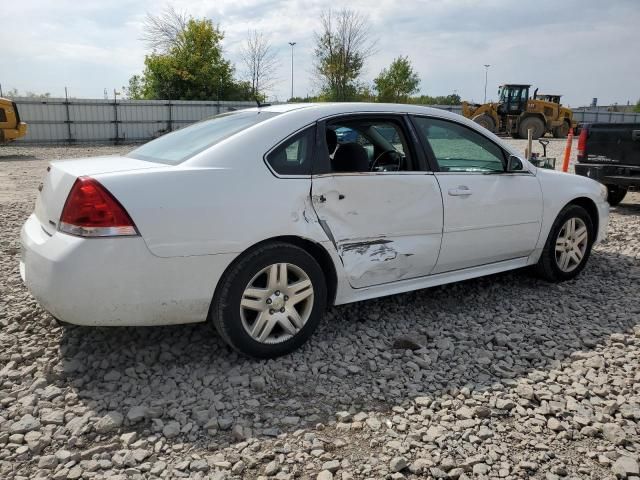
(256, 220)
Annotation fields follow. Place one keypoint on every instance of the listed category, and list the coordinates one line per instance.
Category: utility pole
(292, 45)
(486, 72)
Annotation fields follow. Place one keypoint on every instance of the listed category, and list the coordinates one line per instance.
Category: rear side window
(3, 115)
(457, 148)
(293, 156)
(176, 147)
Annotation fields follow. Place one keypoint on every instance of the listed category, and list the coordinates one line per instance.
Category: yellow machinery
(515, 113)
(11, 127)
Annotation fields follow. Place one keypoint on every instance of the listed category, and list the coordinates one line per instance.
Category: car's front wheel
(568, 246)
(270, 301)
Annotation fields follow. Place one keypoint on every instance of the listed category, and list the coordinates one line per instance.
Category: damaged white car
(256, 220)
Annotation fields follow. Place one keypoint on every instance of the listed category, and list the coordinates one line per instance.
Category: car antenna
(260, 105)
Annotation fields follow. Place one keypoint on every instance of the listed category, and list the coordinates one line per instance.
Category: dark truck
(610, 154)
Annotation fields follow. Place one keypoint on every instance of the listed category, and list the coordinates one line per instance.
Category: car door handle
(461, 191)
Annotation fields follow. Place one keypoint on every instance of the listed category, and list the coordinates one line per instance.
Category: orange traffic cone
(567, 151)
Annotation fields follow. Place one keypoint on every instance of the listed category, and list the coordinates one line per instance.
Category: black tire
(561, 131)
(535, 123)
(224, 313)
(486, 121)
(615, 194)
(547, 267)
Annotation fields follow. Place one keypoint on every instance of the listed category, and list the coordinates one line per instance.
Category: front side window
(293, 156)
(176, 147)
(457, 148)
(358, 145)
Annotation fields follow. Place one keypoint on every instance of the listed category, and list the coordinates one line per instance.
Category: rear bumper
(623, 175)
(115, 281)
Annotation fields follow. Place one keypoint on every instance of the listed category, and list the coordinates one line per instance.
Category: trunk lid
(62, 174)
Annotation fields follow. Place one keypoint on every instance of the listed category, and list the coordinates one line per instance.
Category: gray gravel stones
(137, 413)
(331, 465)
(109, 422)
(614, 433)
(625, 467)
(26, 424)
(398, 464)
(171, 429)
(513, 378)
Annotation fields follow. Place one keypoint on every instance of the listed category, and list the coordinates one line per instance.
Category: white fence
(57, 120)
(602, 116)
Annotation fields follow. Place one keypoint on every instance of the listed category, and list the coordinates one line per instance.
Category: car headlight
(604, 192)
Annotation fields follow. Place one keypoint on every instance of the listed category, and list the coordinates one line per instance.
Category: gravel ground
(499, 377)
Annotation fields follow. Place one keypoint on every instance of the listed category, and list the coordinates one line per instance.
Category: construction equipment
(548, 97)
(515, 113)
(11, 127)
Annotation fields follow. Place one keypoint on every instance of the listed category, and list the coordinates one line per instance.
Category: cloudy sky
(579, 48)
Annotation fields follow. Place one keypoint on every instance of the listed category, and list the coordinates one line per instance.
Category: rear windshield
(176, 147)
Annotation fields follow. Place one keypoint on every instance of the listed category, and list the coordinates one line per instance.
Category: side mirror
(514, 164)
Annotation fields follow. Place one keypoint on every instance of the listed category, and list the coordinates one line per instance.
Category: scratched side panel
(385, 227)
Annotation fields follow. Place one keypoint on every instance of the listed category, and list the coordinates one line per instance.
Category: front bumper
(623, 175)
(603, 221)
(115, 281)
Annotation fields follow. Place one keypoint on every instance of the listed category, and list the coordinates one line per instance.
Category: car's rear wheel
(568, 246)
(615, 194)
(270, 301)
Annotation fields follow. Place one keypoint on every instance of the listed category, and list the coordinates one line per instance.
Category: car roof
(334, 108)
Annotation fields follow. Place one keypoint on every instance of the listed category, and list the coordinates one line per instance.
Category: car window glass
(460, 149)
(369, 145)
(293, 156)
(180, 145)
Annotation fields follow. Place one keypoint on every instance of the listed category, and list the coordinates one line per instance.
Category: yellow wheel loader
(515, 113)
(11, 127)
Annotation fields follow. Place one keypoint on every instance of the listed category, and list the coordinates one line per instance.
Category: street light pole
(292, 45)
(486, 72)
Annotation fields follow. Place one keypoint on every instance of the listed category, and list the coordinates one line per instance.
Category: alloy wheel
(571, 244)
(277, 303)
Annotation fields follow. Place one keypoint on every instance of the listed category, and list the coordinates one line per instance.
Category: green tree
(193, 67)
(135, 90)
(13, 93)
(453, 99)
(396, 83)
(342, 46)
(637, 107)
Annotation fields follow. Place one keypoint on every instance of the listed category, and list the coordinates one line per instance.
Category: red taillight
(91, 211)
(582, 141)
